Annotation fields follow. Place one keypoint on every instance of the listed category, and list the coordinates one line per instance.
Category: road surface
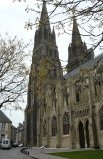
(14, 153)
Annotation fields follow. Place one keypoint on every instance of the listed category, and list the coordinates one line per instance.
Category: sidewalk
(38, 153)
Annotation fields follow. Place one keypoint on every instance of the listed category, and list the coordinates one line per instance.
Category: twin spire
(77, 49)
(44, 22)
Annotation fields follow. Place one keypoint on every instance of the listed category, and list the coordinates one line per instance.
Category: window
(97, 87)
(54, 126)
(55, 72)
(54, 90)
(3, 127)
(44, 128)
(55, 53)
(45, 34)
(2, 136)
(77, 97)
(65, 123)
(49, 36)
(101, 118)
(95, 90)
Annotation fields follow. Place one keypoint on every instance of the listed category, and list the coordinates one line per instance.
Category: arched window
(54, 126)
(65, 123)
(101, 118)
(44, 128)
(77, 97)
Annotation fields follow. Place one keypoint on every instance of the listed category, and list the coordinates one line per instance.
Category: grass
(88, 154)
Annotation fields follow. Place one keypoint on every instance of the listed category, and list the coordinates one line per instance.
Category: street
(14, 153)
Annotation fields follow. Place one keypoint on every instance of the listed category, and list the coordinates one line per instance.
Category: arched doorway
(87, 133)
(81, 135)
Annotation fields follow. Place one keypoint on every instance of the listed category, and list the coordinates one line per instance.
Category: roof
(87, 65)
(4, 118)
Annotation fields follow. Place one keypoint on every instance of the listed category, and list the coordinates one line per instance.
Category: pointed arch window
(77, 97)
(49, 36)
(101, 118)
(54, 125)
(65, 123)
(95, 90)
(45, 34)
(44, 128)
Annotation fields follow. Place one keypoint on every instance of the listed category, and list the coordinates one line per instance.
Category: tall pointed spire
(53, 36)
(76, 38)
(45, 39)
(44, 20)
(77, 51)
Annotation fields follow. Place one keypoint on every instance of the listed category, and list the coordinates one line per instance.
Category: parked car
(15, 145)
(20, 145)
(6, 144)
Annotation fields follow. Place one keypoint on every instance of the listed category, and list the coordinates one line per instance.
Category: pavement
(42, 153)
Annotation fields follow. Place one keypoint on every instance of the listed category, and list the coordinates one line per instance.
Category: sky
(12, 21)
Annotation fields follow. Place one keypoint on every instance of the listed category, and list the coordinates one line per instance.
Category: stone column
(85, 136)
(77, 140)
(92, 111)
(38, 127)
(31, 140)
(59, 131)
(48, 131)
(91, 133)
(41, 124)
(48, 114)
(71, 104)
(59, 112)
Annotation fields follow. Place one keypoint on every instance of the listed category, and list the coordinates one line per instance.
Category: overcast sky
(12, 21)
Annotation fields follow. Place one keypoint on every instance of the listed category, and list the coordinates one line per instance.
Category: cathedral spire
(53, 36)
(44, 20)
(45, 39)
(76, 38)
(77, 51)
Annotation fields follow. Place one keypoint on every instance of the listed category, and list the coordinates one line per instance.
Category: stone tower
(45, 69)
(78, 53)
(63, 110)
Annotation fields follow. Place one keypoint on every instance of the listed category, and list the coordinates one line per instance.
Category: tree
(13, 72)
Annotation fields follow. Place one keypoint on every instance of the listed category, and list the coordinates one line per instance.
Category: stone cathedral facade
(64, 110)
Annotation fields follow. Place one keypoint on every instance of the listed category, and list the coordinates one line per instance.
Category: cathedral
(64, 110)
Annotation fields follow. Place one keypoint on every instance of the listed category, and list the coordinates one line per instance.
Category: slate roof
(88, 64)
(4, 118)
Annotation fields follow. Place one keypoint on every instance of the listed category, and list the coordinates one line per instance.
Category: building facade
(5, 126)
(20, 134)
(64, 110)
(13, 134)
